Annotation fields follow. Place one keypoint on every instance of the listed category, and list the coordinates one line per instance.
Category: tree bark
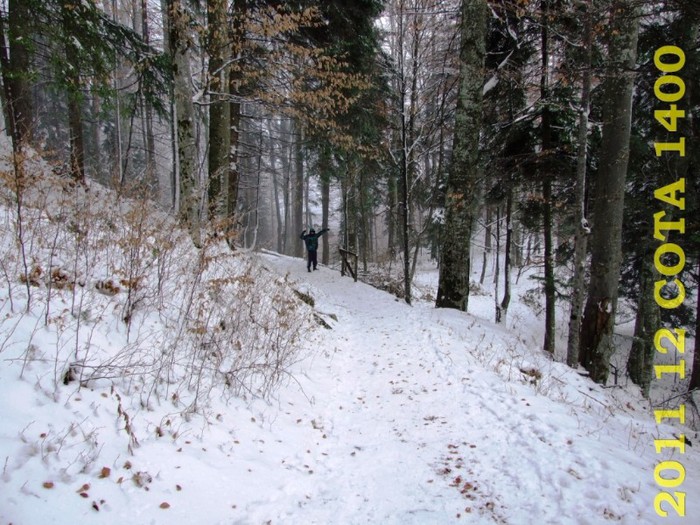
(219, 106)
(279, 219)
(325, 167)
(392, 210)
(150, 141)
(599, 313)
(298, 187)
(487, 245)
(640, 363)
(75, 120)
(189, 202)
(16, 68)
(695, 373)
(507, 259)
(237, 38)
(549, 283)
(581, 224)
(546, 132)
(404, 207)
(461, 195)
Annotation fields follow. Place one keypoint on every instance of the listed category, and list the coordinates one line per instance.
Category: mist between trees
(516, 130)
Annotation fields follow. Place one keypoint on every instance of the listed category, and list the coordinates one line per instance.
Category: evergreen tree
(72, 47)
(647, 171)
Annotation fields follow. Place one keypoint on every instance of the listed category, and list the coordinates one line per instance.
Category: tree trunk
(219, 106)
(549, 283)
(365, 218)
(695, 373)
(77, 146)
(277, 204)
(487, 245)
(289, 238)
(16, 69)
(403, 207)
(178, 25)
(393, 200)
(404, 217)
(298, 187)
(689, 31)
(601, 304)
(461, 196)
(581, 224)
(75, 121)
(150, 141)
(236, 39)
(507, 259)
(640, 363)
(546, 131)
(7, 109)
(325, 168)
(497, 266)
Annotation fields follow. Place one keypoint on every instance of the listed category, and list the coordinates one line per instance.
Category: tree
(16, 72)
(236, 39)
(177, 22)
(70, 21)
(508, 135)
(219, 106)
(461, 197)
(580, 221)
(548, 205)
(601, 304)
(72, 48)
(694, 383)
(640, 364)
(298, 183)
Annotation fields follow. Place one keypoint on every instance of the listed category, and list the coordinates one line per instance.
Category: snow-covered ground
(389, 413)
(395, 415)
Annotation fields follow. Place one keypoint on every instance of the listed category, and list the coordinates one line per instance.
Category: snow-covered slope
(394, 415)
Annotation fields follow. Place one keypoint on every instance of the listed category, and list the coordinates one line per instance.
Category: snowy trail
(397, 415)
(415, 430)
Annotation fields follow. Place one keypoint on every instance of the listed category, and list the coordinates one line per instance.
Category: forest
(555, 134)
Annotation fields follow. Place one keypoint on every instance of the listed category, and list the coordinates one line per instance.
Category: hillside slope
(394, 415)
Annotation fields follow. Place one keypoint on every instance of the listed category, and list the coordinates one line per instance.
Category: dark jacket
(311, 239)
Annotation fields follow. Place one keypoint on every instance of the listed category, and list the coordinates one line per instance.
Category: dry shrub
(197, 321)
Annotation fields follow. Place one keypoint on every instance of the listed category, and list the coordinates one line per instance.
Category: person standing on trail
(311, 240)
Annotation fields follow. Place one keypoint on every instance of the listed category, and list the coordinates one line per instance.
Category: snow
(397, 414)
